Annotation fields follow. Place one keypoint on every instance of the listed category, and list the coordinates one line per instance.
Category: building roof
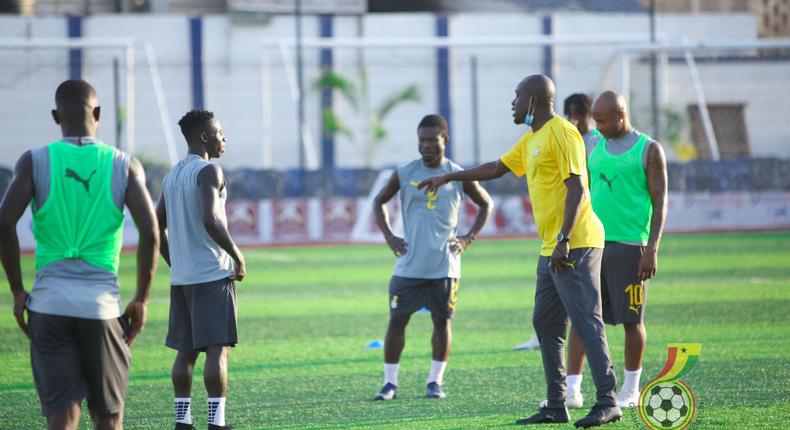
(506, 5)
(582, 5)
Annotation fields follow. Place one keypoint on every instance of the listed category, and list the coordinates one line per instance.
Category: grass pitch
(305, 315)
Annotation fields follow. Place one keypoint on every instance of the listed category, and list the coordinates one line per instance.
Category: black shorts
(77, 358)
(623, 296)
(408, 295)
(202, 315)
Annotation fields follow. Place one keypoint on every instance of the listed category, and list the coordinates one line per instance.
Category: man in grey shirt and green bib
(79, 339)
(628, 187)
(428, 267)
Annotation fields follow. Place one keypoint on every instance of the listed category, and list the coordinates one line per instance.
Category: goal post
(378, 70)
(32, 69)
(695, 81)
(709, 91)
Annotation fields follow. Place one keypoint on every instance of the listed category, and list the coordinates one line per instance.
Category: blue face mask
(530, 116)
(528, 120)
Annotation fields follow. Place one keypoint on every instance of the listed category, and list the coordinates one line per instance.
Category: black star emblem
(683, 349)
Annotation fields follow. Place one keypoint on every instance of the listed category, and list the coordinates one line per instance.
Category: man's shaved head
(611, 114)
(75, 94)
(610, 101)
(534, 97)
(76, 108)
(540, 86)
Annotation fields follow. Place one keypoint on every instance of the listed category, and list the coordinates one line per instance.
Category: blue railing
(743, 174)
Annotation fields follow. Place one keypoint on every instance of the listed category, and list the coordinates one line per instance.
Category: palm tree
(356, 96)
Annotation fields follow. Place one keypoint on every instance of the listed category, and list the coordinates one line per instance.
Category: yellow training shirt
(548, 157)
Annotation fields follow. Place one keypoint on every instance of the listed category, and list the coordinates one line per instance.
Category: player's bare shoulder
(24, 164)
(135, 167)
(211, 175)
(656, 157)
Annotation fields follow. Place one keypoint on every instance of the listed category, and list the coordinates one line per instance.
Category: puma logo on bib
(85, 182)
(607, 180)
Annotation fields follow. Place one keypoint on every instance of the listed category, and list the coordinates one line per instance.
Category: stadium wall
(233, 84)
(348, 220)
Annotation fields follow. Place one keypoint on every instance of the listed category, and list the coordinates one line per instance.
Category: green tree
(356, 95)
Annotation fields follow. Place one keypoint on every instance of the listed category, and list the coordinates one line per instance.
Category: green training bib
(618, 188)
(79, 218)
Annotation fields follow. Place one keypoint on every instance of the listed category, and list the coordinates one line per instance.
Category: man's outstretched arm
(483, 172)
(17, 197)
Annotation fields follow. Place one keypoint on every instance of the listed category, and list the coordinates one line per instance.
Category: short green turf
(306, 314)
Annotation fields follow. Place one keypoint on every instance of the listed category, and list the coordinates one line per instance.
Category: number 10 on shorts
(635, 296)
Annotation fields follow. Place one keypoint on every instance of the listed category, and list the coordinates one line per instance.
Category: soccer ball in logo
(667, 405)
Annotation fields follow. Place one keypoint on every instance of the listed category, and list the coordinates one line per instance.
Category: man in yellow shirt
(551, 155)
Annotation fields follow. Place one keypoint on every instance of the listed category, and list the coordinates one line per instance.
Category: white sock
(437, 371)
(183, 410)
(574, 384)
(391, 374)
(216, 411)
(631, 381)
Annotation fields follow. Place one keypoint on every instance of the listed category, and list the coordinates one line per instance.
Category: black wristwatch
(562, 238)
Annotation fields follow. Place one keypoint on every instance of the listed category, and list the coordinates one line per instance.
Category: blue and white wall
(228, 79)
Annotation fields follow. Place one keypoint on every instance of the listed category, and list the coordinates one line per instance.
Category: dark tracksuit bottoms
(574, 292)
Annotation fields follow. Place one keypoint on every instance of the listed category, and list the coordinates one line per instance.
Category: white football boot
(572, 401)
(627, 399)
(532, 344)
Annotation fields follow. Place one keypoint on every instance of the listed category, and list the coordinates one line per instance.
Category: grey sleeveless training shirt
(429, 222)
(195, 257)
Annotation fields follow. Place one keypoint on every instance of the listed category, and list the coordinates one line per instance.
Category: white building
(253, 91)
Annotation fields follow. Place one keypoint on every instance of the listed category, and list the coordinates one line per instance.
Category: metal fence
(720, 109)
